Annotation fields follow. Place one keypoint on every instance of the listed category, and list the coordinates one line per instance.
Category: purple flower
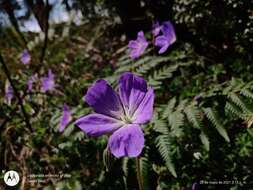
(65, 118)
(25, 57)
(120, 113)
(156, 28)
(167, 38)
(8, 93)
(138, 46)
(30, 81)
(48, 82)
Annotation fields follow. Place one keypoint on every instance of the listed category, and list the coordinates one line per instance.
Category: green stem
(138, 170)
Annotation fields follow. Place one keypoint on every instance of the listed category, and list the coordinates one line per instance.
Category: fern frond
(163, 145)
(239, 102)
(145, 165)
(193, 115)
(205, 141)
(213, 118)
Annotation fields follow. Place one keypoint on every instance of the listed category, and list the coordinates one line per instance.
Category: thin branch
(20, 101)
(44, 48)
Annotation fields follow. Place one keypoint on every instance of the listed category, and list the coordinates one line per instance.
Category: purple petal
(132, 90)
(156, 29)
(133, 44)
(141, 36)
(98, 124)
(169, 31)
(25, 57)
(66, 117)
(144, 112)
(163, 49)
(127, 141)
(104, 100)
(161, 41)
(48, 82)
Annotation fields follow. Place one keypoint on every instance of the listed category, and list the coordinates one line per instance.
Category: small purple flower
(120, 113)
(167, 38)
(138, 46)
(156, 28)
(65, 118)
(30, 81)
(48, 82)
(8, 93)
(25, 57)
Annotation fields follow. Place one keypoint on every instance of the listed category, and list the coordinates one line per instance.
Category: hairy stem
(138, 172)
(20, 101)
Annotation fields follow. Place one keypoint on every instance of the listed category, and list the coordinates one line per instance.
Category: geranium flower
(120, 113)
(138, 46)
(8, 93)
(48, 82)
(167, 38)
(65, 118)
(25, 57)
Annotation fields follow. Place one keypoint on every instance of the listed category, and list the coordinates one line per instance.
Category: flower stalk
(138, 173)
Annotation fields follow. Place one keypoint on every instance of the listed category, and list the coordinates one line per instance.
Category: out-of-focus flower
(156, 28)
(138, 46)
(30, 81)
(119, 113)
(8, 93)
(48, 83)
(198, 99)
(65, 118)
(167, 38)
(25, 57)
(195, 186)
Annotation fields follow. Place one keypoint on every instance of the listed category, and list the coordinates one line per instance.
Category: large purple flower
(167, 38)
(138, 46)
(25, 57)
(48, 82)
(119, 113)
(65, 118)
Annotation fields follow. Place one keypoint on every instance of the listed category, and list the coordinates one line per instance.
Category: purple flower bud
(25, 57)
(156, 28)
(65, 118)
(138, 46)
